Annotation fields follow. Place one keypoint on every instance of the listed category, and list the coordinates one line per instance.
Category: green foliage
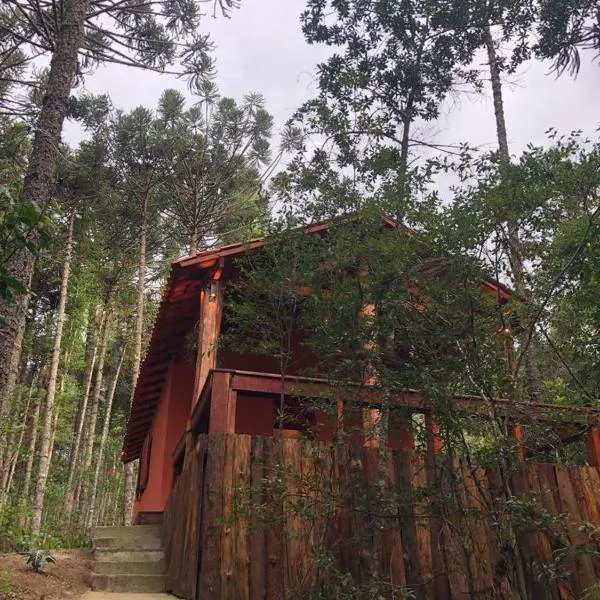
(565, 27)
(592, 593)
(7, 589)
(396, 64)
(23, 226)
(38, 559)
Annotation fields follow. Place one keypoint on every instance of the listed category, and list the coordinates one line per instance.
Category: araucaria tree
(77, 35)
(217, 157)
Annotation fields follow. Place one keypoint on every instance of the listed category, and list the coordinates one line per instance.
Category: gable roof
(177, 315)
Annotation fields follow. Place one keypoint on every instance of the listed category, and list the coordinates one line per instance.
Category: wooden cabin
(221, 391)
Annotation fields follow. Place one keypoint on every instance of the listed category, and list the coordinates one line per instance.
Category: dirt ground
(67, 578)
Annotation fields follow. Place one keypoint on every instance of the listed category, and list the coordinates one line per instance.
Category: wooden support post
(401, 435)
(593, 446)
(517, 435)
(371, 417)
(209, 328)
(222, 404)
(434, 439)
(339, 423)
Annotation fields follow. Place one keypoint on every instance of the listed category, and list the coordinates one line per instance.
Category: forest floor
(67, 578)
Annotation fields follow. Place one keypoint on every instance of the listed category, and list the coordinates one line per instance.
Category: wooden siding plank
(584, 571)
(209, 582)
(274, 535)
(257, 528)
(227, 537)
(421, 512)
(241, 524)
(393, 548)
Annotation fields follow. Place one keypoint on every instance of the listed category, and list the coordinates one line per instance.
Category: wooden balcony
(225, 394)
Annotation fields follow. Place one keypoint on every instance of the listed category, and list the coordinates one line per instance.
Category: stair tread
(128, 555)
(128, 559)
(119, 575)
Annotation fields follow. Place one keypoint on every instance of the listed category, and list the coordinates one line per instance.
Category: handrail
(410, 399)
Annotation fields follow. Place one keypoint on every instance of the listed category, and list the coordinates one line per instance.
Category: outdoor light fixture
(214, 283)
(214, 286)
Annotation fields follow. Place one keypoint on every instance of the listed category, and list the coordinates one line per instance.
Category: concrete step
(128, 583)
(135, 537)
(125, 596)
(149, 556)
(127, 544)
(124, 532)
(104, 567)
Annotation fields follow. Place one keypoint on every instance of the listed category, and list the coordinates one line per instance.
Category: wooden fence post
(432, 431)
(516, 431)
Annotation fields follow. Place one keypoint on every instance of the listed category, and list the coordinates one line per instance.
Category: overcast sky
(261, 48)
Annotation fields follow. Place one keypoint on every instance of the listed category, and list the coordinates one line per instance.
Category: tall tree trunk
(46, 438)
(13, 368)
(495, 73)
(31, 451)
(194, 234)
(92, 512)
(82, 488)
(75, 454)
(65, 370)
(88, 444)
(54, 429)
(130, 470)
(39, 180)
(513, 242)
(14, 457)
(12, 426)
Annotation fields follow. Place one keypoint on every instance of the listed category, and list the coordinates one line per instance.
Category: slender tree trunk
(88, 444)
(13, 459)
(54, 428)
(513, 242)
(31, 451)
(13, 369)
(515, 259)
(39, 180)
(12, 418)
(44, 465)
(96, 325)
(129, 478)
(194, 235)
(495, 73)
(13, 463)
(75, 454)
(117, 509)
(65, 370)
(83, 483)
(93, 513)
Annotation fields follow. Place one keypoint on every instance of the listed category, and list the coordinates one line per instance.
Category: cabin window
(144, 471)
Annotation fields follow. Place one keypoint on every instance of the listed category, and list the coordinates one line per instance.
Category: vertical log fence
(266, 518)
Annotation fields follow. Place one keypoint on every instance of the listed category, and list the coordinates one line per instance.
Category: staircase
(128, 559)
